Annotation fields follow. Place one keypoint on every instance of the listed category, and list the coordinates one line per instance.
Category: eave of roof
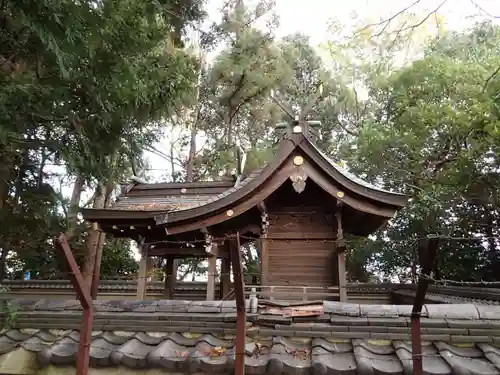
(256, 179)
(286, 148)
(351, 181)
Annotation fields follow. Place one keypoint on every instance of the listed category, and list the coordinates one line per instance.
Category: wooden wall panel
(299, 224)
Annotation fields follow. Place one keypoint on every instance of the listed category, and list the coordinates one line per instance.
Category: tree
(81, 86)
(436, 137)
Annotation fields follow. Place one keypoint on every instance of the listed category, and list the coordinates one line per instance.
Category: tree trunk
(3, 268)
(194, 124)
(74, 205)
(92, 242)
(5, 173)
(192, 154)
(229, 140)
(172, 163)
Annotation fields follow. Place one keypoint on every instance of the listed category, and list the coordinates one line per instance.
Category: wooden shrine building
(298, 207)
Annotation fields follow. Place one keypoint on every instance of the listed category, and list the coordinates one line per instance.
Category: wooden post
(212, 270)
(225, 278)
(143, 272)
(241, 318)
(340, 247)
(264, 260)
(96, 276)
(170, 277)
(264, 254)
(428, 249)
(83, 294)
(341, 272)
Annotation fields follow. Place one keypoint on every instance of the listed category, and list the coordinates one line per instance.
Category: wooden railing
(120, 289)
(284, 293)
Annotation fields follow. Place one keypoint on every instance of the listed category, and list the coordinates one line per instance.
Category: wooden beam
(143, 272)
(239, 286)
(181, 252)
(170, 278)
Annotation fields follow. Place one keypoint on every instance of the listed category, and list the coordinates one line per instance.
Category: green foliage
(8, 309)
(81, 84)
(436, 138)
(90, 85)
(235, 90)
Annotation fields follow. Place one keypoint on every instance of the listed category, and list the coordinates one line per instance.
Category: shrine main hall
(297, 210)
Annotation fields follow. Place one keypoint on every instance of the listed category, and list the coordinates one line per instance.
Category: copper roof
(168, 197)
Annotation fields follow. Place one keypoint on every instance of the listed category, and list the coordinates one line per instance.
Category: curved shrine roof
(177, 202)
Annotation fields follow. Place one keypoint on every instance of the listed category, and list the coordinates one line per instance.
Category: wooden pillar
(170, 277)
(241, 318)
(264, 260)
(96, 277)
(225, 278)
(143, 273)
(212, 270)
(340, 248)
(341, 273)
(264, 254)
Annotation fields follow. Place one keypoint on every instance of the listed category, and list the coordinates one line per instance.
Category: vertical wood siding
(308, 217)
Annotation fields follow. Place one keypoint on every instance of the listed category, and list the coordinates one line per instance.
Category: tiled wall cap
(341, 308)
(488, 312)
(455, 311)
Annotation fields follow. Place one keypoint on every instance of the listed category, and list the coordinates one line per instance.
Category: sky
(313, 17)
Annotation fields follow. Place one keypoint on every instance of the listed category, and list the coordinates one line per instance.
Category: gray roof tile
(466, 360)
(432, 363)
(182, 336)
(208, 353)
(455, 311)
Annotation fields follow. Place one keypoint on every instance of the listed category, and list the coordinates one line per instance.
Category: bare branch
(387, 21)
(282, 106)
(164, 156)
(425, 18)
(344, 128)
(493, 75)
(314, 99)
(246, 100)
(481, 9)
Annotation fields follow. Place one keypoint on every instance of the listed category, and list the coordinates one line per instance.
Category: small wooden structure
(297, 208)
